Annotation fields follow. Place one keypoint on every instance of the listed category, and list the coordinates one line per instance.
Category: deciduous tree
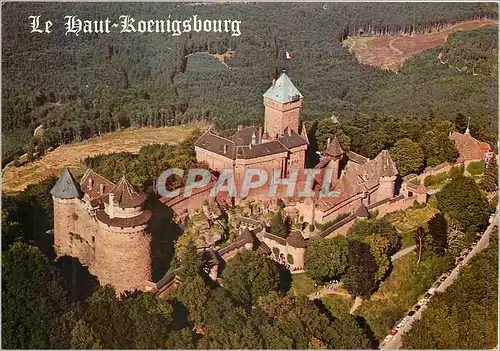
(408, 156)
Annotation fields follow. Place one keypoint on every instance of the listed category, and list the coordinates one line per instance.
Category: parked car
(417, 307)
(399, 326)
(442, 279)
(394, 332)
(406, 319)
(427, 295)
(460, 259)
(388, 338)
(411, 313)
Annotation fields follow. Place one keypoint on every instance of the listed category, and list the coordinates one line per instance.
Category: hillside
(148, 81)
(15, 179)
(390, 52)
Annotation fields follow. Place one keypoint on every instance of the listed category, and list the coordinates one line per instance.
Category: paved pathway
(403, 252)
(396, 341)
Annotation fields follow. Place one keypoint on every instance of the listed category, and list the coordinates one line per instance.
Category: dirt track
(390, 52)
(15, 179)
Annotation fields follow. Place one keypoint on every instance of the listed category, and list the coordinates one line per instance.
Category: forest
(79, 87)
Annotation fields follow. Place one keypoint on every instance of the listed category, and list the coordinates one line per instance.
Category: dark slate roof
(66, 186)
(241, 144)
(215, 143)
(295, 239)
(260, 150)
(141, 219)
(125, 195)
(362, 212)
(291, 139)
(244, 136)
(283, 90)
(334, 149)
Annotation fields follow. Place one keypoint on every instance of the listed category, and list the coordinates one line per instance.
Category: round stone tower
(123, 244)
(65, 195)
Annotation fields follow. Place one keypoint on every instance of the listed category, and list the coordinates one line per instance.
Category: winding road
(396, 341)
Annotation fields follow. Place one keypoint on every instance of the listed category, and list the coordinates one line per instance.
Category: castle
(105, 225)
(358, 180)
(277, 146)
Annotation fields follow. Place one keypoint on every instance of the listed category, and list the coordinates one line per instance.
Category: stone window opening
(410, 194)
(93, 239)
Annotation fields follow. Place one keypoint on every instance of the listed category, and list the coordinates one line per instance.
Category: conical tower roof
(387, 165)
(66, 186)
(334, 149)
(362, 212)
(283, 90)
(125, 195)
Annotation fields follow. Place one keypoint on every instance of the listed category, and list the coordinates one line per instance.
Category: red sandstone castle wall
(215, 161)
(82, 244)
(278, 116)
(64, 224)
(297, 157)
(123, 257)
(386, 188)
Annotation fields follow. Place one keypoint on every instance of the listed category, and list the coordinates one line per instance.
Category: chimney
(342, 174)
(260, 134)
(111, 205)
(101, 189)
(274, 83)
(225, 148)
(289, 130)
(254, 139)
(328, 142)
(240, 127)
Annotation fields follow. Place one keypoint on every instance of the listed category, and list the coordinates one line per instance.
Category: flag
(288, 56)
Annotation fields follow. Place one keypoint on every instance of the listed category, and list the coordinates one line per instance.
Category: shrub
(494, 202)
(415, 181)
(456, 171)
(427, 180)
(289, 259)
(476, 168)
(323, 226)
(435, 179)
(374, 213)
(276, 252)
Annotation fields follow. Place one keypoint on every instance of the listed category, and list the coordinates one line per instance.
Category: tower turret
(123, 246)
(388, 175)
(65, 195)
(283, 102)
(335, 153)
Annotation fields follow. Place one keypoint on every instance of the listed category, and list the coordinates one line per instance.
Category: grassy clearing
(302, 284)
(406, 222)
(15, 179)
(407, 282)
(390, 52)
(338, 305)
